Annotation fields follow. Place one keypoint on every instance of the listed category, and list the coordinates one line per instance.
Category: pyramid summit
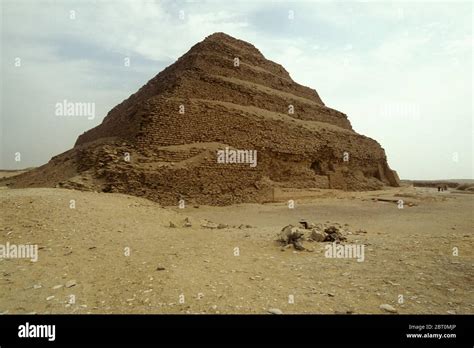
(164, 141)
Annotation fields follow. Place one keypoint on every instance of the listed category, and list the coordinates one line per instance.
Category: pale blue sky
(401, 71)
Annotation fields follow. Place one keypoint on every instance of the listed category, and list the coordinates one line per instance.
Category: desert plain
(115, 253)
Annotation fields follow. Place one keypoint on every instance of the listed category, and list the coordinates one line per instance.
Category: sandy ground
(83, 251)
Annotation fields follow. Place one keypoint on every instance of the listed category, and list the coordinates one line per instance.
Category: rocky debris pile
(308, 231)
(291, 235)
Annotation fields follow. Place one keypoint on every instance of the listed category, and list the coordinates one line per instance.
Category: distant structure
(164, 141)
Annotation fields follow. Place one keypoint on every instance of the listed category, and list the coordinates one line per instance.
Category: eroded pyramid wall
(162, 142)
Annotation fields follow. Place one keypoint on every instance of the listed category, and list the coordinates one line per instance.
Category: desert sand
(118, 254)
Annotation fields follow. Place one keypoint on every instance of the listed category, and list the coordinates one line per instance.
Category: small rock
(57, 286)
(298, 246)
(159, 268)
(333, 234)
(275, 311)
(70, 283)
(451, 312)
(307, 225)
(209, 224)
(291, 235)
(49, 298)
(37, 286)
(344, 312)
(317, 236)
(172, 225)
(388, 308)
(221, 226)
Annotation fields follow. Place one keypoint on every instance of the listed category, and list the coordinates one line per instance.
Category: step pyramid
(221, 125)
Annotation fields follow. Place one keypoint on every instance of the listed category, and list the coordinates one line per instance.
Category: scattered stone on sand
(391, 283)
(388, 308)
(242, 226)
(209, 224)
(70, 283)
(275, 311)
